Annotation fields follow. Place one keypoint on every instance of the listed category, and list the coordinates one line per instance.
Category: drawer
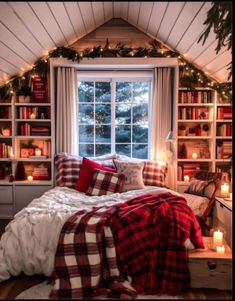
(6, 211)
(6, 195)
(211, 273)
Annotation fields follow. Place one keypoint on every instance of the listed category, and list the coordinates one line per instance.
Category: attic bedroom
(116, 150)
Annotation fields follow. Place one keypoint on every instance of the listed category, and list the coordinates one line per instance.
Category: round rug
(42, 291)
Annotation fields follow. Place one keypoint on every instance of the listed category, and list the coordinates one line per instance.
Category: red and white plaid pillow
(67, 169)
(154, 173)
(105, 182)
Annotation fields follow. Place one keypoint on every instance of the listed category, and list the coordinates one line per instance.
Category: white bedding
(30, 240)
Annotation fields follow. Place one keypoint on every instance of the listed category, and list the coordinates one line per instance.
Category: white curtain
(162, 118)
(66, 111)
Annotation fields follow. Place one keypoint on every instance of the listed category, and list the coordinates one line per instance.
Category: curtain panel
(162, 118)
(66, 110)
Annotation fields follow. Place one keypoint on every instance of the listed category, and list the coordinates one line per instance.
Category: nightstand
(209, 269)
(222, 218)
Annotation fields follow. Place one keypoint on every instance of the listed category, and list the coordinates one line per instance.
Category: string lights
(189, 75)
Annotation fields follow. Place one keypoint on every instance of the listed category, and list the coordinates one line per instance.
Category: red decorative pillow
(67, 169)
(154, 173)
(104, 183)
(86, 173)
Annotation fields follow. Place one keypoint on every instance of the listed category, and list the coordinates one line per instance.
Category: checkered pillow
(105, 182)
(67, 169)
(154, 173)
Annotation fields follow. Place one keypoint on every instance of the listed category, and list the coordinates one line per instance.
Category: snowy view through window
(128, 114)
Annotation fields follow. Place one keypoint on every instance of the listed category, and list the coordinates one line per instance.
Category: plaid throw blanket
(142, 239)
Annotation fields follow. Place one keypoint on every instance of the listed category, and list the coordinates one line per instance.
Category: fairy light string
(189, 75)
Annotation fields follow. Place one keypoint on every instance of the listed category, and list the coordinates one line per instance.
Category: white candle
(11, 154)
(38, 152)
(220, 250)
(217, 238)
(194, 155)
(224, 190)
(186, 178)
(231, 196)
(32, 116)
(30, 178)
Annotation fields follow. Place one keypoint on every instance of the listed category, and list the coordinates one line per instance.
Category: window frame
(115, 76)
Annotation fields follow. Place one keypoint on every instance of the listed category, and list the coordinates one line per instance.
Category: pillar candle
(186, 178)
(194, 155)
(217, 238)
(220, 250)
(224, 190)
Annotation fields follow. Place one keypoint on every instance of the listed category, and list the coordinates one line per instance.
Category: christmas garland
(190, 76)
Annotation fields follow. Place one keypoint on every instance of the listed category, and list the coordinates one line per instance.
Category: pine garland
(190, 76)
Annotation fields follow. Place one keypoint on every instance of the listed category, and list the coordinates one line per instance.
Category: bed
(30, 241)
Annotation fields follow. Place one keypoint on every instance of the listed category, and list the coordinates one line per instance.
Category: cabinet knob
(211, 265)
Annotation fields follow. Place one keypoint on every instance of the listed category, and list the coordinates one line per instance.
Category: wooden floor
(9, 289)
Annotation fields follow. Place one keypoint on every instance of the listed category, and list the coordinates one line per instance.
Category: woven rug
(42, 290)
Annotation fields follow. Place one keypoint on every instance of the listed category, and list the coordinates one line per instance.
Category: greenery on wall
(219, 19)
(190, 76)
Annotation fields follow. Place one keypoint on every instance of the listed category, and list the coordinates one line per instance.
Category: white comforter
(30, 240)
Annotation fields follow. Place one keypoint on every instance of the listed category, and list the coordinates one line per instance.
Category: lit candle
(186, 178)
(217, 238)
(30, 178)
(194, 155)
(224, 190)
(32, 116)
(220, 250)
(38, 152)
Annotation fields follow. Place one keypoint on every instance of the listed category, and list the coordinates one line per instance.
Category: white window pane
(123, 114)
(140, 134)
(86, 133)
(123, 149)
(140, 151)
(103, 133)
(102, 149)
(86, 113)
(103, 114)
(123, 133)
(140, 114)
(103, 92)
(85, 91)
(140, 92)
(86, 150)
(123, 91)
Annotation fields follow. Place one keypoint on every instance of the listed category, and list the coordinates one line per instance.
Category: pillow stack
(107, 174)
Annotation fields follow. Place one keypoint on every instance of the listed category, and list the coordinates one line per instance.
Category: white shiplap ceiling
(29, 29)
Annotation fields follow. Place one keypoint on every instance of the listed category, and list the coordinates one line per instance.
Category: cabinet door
(6, 201)
(25, 194)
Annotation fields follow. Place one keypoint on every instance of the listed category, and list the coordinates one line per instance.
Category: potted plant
(182, 130)
(24, 94)
(205, 130)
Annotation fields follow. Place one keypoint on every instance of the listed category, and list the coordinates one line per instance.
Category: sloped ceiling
(29, 29)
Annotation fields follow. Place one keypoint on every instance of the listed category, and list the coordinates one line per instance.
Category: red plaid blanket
(148, 233)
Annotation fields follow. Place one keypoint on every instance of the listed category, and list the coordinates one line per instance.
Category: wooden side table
(208, 269)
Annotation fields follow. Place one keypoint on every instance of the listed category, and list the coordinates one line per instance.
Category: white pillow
(133, 172)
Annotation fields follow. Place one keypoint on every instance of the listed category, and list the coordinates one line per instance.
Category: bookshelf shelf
(33, 120)
(32, 104)
(32, 137)
(33, 160)
(5, 137)
(194, 137)
(210, 138)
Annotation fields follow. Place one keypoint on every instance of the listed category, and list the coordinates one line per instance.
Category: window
(113, 114)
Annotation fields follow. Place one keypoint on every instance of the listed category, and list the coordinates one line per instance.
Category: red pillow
(86, 173)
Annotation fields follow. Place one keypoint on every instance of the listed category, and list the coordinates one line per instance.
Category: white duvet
(30, 240)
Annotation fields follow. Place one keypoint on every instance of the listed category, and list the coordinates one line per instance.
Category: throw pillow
(105, 183)
(154, 173)
(86, 173)
(67, 169)
(197, 187)
(133, 172)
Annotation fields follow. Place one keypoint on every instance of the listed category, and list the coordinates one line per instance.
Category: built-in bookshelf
(26, 152)
(204, 134)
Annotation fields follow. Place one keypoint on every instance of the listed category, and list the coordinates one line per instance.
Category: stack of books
(40, 131)
(41, 173)
(224, 113)
(224, 151)
(5, 150)
(188, 169)
(224, 129)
